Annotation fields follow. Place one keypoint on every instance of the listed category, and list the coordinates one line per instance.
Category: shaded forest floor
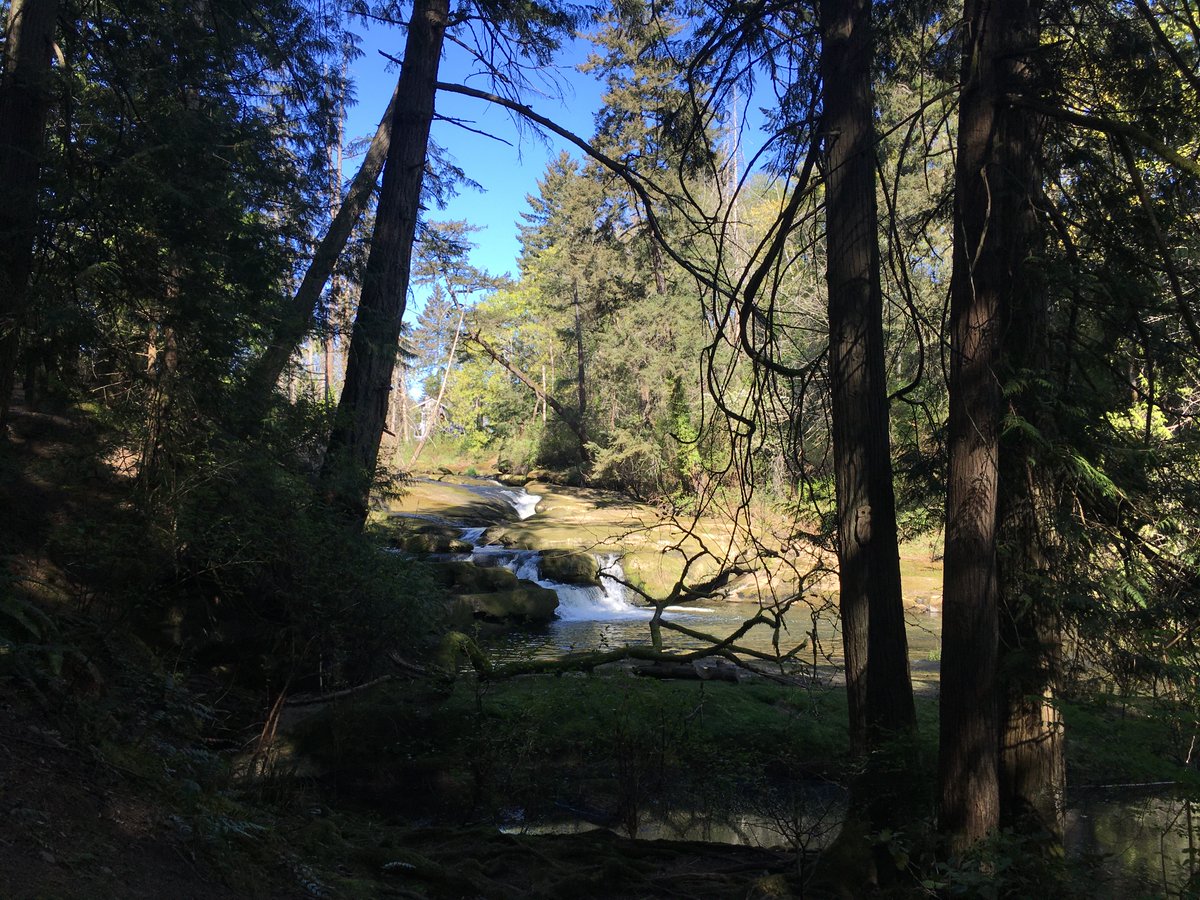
(124, 775)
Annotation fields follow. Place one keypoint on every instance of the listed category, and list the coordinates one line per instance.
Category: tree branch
(297, 317)
(643, 195)
(1164, 249)
(1111, 127)
(568, 419)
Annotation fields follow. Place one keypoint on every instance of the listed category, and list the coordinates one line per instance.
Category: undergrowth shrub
(276, 570)
(228, 549)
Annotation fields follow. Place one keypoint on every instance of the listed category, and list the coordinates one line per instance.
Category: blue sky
(507, 173)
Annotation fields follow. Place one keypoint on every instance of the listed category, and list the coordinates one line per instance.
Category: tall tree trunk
(993, 192)
(1032, 764)
(297, 318)
(24, 100)
(580, 382)
(1032, 760)
(875, 644)
(358, 425)
(333, 308)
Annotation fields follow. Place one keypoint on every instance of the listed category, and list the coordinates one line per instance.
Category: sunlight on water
(592, 617)
(524, 503)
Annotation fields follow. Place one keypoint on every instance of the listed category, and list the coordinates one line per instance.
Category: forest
(813, 511)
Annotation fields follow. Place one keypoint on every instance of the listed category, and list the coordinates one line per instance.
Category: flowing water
(611, 615)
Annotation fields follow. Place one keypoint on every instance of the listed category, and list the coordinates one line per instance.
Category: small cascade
(529, 567)
(606, 602)
(473, 536)
(522, 563)
(522, 501)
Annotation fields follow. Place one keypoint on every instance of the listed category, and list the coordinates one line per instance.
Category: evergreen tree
(24, 99)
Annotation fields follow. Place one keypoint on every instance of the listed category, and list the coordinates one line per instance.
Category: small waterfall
(522, 501)
(576, 602)
(588, 603)
(607, 602)
(473, 536)
(529, 566)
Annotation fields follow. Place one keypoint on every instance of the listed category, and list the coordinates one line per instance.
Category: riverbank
(643, 554)
(757, 765)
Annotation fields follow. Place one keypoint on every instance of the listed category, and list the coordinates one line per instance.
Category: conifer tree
(24, 100)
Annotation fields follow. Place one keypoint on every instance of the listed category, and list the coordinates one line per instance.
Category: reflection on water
(808, 819)
(1148, 836)
(598, 631)
(1146, 843)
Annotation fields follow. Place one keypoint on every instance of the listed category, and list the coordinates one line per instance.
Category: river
(612, 615)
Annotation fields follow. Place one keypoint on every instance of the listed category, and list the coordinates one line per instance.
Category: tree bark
(1032, 764)
(297, 318)
(358, 425)
(992, 194)
(875, 644)
(24, 100)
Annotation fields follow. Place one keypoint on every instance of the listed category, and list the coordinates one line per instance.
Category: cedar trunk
(876, 647)
(362, 410)
(994, 184)
(1032, 765)
(24, 100)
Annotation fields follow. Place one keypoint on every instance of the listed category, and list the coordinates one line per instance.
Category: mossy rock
(526, 604)
(512, 479)
(567, 567)
(434, 543)
(427, 537)
(464, 577)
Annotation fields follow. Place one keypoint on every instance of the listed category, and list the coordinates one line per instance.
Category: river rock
(512, 479)
(526, 604)
(430, 537)
(567, 567)
(494, 596)
(463, 577)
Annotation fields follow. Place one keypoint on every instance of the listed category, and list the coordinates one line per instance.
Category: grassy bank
(614, 746)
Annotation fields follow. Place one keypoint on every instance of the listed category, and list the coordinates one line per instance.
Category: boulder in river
(429, 537)
(463, 577)
(494, 596)
(568, 567)
(527, 604)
